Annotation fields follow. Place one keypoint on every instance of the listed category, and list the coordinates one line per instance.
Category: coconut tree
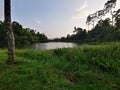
(10, 34)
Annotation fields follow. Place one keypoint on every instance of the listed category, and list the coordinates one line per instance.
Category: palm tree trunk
(8, 27)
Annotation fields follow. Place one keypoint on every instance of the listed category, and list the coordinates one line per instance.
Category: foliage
(80, 68)
(102, 32)
(3, 35)
(109, 5)
(117, 19)
(23, 36)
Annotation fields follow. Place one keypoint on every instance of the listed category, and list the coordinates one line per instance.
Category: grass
(81, 68)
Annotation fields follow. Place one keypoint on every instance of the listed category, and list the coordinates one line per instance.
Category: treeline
(104, 31)
(107, 30)
(23, 36)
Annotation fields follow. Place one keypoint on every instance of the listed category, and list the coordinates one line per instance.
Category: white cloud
(84, 6)
(37, 25)
(38, 21)
(82, 12)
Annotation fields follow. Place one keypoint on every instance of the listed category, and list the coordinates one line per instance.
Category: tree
(80, 34)
(77, 30)
(117, 19)
(3, 35)
(8, 27)
(109, 5)
(103, 31)
(91, 19)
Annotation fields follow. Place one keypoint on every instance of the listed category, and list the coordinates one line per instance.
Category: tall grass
(81, 68)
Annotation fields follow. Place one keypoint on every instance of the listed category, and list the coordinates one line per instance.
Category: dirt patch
(70, 78)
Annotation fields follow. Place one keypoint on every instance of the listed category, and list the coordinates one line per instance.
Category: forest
(23, 36)
(103, 30)
(82, 67)
(106, 30)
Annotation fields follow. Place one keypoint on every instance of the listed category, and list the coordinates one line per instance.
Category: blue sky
(55, 18)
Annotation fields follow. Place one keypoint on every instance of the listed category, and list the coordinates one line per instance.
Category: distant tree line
(23, 36)
(104, 31)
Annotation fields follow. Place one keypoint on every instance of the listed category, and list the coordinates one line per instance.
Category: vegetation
(102, 32)
(108, 6)
(81, 68)
(23, 36)
(106, 30)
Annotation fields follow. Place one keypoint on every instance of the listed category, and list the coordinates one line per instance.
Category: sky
(54, 18)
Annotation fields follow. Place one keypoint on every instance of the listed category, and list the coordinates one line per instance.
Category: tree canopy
(23, 36)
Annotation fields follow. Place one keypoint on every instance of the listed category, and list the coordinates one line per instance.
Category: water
(53, 45)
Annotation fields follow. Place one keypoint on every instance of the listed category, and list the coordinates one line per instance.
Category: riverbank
(81, 68)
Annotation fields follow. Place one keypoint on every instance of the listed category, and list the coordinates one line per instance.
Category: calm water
(53, 45)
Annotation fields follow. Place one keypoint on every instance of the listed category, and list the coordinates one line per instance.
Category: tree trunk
(8, 27)
(112, 18)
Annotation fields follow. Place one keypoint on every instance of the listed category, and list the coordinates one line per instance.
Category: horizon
(53, 18)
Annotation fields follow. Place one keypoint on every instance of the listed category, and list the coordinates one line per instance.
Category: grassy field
(81, 68)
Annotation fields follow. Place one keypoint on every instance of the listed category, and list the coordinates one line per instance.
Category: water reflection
(53, 45)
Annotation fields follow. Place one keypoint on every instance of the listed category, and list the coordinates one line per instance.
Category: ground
(81, 68)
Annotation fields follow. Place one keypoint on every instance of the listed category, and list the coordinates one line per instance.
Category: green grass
(81, 68)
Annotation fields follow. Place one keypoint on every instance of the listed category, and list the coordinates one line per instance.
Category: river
(53, 45)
